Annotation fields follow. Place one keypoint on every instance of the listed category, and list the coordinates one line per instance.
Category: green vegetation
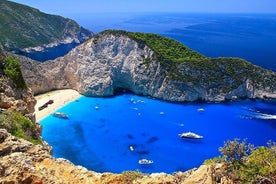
(166, 48)
(19, 126)
(235, 153)
(22, 26)
(246, 164)
(13, 71)
(2, 58)
(130, 176)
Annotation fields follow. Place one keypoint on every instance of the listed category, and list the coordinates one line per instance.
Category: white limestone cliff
(109, 62)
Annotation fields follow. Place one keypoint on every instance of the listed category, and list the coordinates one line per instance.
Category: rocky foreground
(23, 162)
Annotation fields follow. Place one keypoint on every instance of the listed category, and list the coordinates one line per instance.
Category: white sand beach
(59, 98)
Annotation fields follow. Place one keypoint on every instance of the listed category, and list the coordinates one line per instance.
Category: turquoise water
(100, 138)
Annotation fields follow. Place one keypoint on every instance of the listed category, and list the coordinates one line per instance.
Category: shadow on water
(79, 132)
(152, 139)
(77, 150)
(146, 167)
(129, 136)
(192, 141)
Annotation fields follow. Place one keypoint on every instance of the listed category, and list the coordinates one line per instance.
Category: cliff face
(26, 30)
(112, 61)
(14, 99)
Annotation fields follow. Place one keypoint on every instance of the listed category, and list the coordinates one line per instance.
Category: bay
(102, 139)
(100, 132)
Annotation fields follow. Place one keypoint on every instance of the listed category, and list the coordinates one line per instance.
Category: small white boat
(131, 148)
(61, 115)
(200, 110)
(145, 161)
(190, 135)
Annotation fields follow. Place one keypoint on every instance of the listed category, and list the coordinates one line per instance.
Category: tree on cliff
(13, 71)
(246, 164)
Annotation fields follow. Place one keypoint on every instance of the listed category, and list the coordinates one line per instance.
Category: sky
(63, 7)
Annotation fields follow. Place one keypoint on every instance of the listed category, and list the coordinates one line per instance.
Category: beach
(51, 101)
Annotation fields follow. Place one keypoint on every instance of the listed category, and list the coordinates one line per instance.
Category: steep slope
(149, 64)
(26, 29)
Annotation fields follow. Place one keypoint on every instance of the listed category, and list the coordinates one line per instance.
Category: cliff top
(166, 48)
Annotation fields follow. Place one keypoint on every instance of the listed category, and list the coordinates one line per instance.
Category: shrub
(260, 166)
(235, 151)
(13, 71)
(130, 176)
(246, 164)
(19, 126)
(218, 159)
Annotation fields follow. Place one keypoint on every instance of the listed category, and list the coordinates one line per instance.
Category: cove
(100, 131)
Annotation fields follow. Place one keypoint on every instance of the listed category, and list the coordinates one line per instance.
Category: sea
(112, 134)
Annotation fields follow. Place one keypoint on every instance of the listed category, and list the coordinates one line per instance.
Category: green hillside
(167, 48)
(22, 26)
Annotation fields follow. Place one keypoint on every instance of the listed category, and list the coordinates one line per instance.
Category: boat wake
(258, 114)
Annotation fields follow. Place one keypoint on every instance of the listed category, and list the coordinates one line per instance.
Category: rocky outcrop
(23, 162)
(109, 62)
(21, 100)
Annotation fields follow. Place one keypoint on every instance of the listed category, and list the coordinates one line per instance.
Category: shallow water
(100, 131)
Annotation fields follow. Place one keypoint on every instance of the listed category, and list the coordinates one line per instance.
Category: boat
(61, 115)
(145, 161)
(190, 135)
(131, 148)
(200, 110)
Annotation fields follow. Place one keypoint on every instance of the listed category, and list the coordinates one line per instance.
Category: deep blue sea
(100, 139)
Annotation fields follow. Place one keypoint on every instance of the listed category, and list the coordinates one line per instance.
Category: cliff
(150, 65)
(12, 98)
(17, 112)
(26, 30)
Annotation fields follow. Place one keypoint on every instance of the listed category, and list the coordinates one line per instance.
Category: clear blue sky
(204, 6)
